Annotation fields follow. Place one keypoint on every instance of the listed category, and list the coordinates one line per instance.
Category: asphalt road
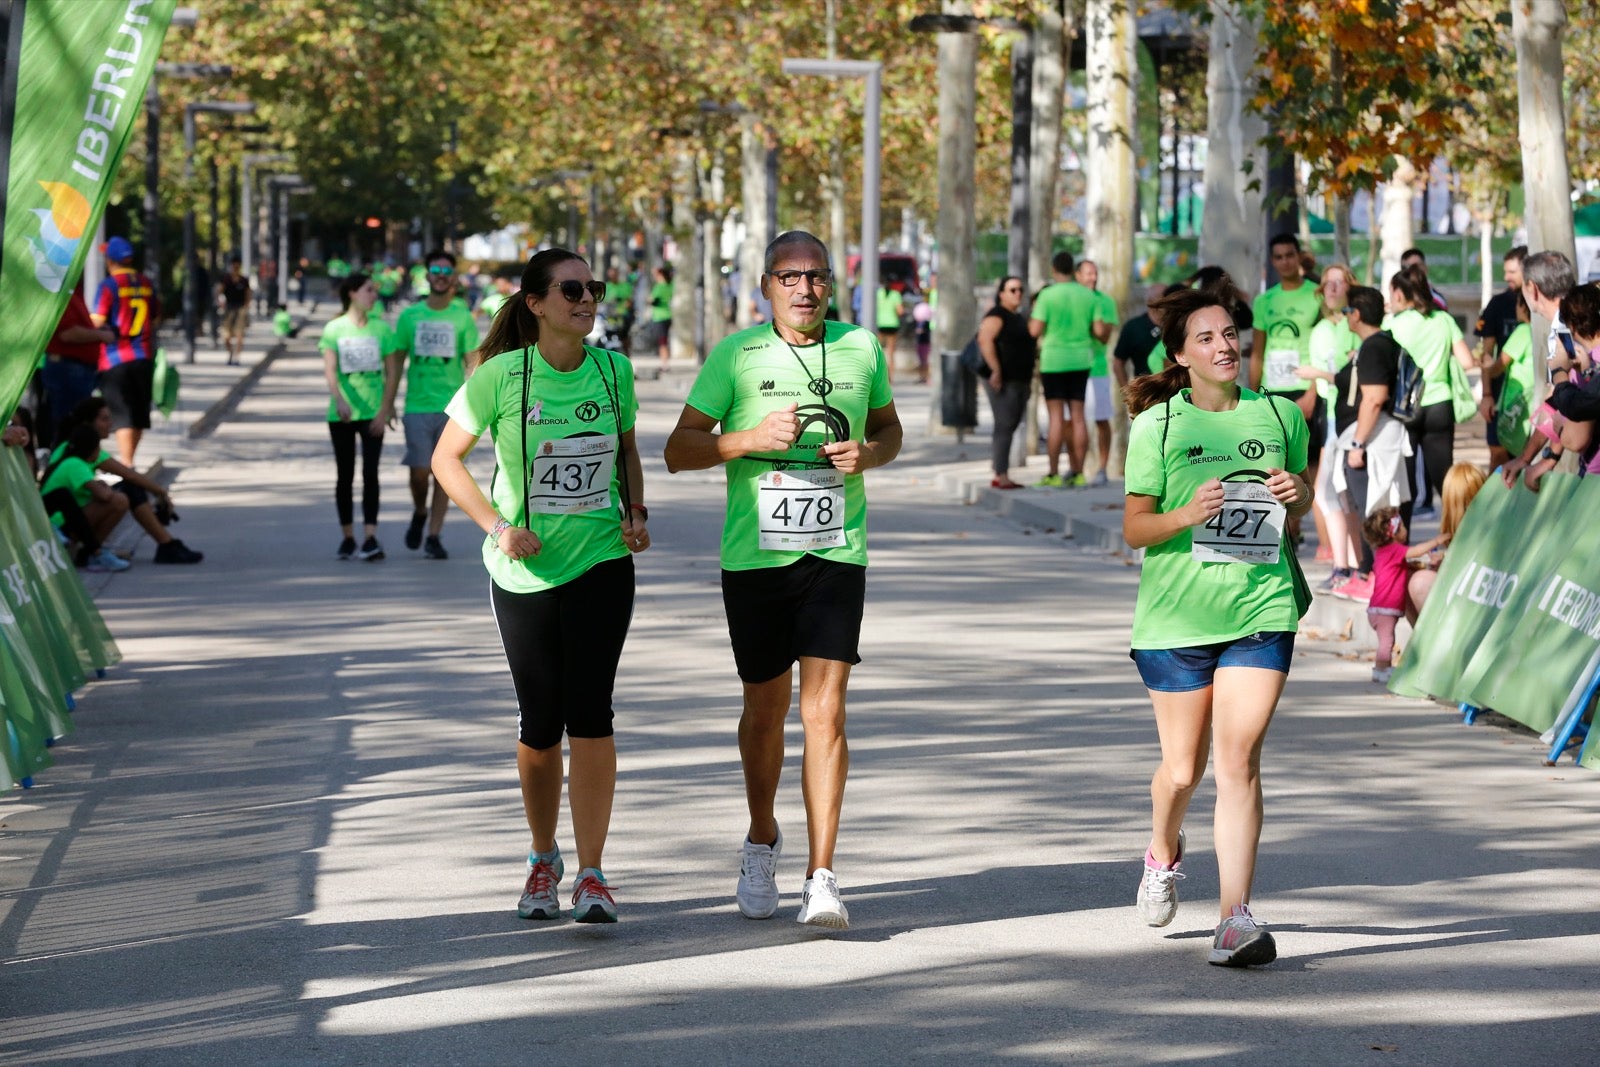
(287, 829)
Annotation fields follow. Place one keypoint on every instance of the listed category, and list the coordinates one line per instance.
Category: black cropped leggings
(563, 646)
(1435, 438)
(344, 436)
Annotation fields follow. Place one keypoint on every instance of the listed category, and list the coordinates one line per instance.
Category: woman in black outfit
(1009, 350)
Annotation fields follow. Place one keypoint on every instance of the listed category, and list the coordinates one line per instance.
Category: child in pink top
(1386, 533)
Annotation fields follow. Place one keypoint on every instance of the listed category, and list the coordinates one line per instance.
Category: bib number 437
(1248, 529)
(572, 475)
(800, 510)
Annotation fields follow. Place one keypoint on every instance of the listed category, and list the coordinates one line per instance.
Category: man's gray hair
(787, 240)
(1551, 272)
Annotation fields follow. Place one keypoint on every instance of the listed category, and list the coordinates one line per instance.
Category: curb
(213, 416)
(1016, 505)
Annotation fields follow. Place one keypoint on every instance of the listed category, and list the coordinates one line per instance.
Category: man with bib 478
(804, 407)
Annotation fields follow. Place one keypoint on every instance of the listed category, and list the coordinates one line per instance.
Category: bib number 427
(1248, 529)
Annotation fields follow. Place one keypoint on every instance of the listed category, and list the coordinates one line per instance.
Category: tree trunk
(1051, 34)
(1021, 155)
(1395, 224)
(833, 193)
(957, 318)
(1233, 234)
(753, 182)
(1341, 229)
(686, 252)
(1112, 192)
(1537, 26)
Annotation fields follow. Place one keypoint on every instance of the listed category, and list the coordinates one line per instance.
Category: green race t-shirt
(282, 323)
(889, 308)
(1514, 414)
(358, 353)
(491, 304)
(1429, 339)
(1105, 311)
(435, 343)
(754, 372)
(565, 409)
(1332, 342)
(1157, 360)
(661, 302)
(1286, 318)
(1184, 602)
(1066, 309)
(73, 474)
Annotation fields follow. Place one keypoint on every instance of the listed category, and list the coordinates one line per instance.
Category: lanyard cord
(825, 386)
(612, 388)
(526, 370)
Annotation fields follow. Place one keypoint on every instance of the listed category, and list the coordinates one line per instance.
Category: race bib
(359, 355)
(572, 475)
(1280, 370)
(436, 339)
(800, 510)
(1248, 529)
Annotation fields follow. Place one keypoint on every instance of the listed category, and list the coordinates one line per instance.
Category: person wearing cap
(127, 302)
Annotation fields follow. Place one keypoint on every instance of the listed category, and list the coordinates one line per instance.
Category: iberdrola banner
(1498, 556)
(73, 85)
(1543, 645)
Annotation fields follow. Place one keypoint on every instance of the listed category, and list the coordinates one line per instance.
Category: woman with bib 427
(565, 512)
(1213, 473)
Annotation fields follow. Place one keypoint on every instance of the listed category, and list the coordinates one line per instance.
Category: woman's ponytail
(1148, 390)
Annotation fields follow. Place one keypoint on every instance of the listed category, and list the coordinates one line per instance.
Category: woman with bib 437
(1213, 473)
(567, 511)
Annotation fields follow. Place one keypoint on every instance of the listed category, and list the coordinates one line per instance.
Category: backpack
(1406, 403)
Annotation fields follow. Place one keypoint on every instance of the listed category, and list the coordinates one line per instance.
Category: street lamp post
(248, 222)
(872, 71)
(279, 188)
(191, 295)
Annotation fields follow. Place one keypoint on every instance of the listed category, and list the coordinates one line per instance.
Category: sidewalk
(1092, 518)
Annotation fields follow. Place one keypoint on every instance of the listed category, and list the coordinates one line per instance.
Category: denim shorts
(1183, 670)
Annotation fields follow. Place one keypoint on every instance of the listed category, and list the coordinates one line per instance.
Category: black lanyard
(820, 387)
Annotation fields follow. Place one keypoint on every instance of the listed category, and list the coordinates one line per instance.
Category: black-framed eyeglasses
(791, 278)
(442, 272)
(573, 290)
(1012, 289)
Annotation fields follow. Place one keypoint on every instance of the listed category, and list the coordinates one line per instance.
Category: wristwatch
(644, 512)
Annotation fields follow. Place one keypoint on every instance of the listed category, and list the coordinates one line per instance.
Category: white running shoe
(758, 878)
(1157, 900)
(820, 904)
(1242, 941)
(539, 899)
(591, 899)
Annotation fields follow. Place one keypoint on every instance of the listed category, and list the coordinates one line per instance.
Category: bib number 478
(800, 510)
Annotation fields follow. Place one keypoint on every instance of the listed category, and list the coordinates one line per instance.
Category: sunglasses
(442, 272)
(574, 290)
(791, 278)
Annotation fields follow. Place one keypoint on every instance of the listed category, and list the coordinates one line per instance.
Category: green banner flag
(73, 82)
(1495, 562)
(86, 641)
(1543, 644)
